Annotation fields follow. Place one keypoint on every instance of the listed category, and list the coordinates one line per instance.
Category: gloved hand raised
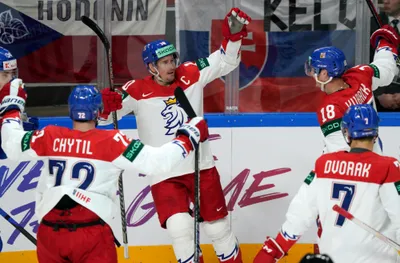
(12, 96)
(112, 101)
(385, 32)
(235, 24)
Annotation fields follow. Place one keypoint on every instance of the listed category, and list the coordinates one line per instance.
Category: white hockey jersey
(158, 114)
(363, 183)
(85, 165)
(363, 80)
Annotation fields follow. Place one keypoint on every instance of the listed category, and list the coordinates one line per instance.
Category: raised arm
(227, 58)
(119, 101)
(384, 67)
(16, 143)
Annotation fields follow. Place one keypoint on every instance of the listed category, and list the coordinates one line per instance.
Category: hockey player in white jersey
(360, 181)
(77, 192)
(158, 115)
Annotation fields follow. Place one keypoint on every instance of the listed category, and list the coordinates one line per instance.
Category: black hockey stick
(92, 25)
(185, 104)
(374, 13)
(17, 226)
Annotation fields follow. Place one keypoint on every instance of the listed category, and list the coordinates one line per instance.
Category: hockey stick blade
(184, 102)
(366, 227)
(17, 226)
(92, 25)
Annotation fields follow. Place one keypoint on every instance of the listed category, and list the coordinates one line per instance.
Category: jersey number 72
(345, 193)
(57, 168)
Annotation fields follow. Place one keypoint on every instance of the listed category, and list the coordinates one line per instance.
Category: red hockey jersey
(362, 79)
(85, 165)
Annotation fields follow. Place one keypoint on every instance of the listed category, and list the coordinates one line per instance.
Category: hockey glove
(235, 24)
(196, 130)
(112, 101)
(12, 96)
(385, 32)
(274, 249)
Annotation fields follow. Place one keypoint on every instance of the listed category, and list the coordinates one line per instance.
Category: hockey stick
(185, 104)
(366, 227)
(374, 13)
(17, 226)
(92, 25)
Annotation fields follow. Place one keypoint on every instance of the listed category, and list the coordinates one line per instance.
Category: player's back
(353, 180)
(80, 166)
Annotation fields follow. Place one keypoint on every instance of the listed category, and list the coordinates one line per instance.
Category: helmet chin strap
(157, 75)
(323, 83)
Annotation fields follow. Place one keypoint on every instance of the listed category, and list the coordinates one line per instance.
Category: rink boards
(262, 159)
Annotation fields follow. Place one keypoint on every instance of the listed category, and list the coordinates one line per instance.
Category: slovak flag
(272, 74)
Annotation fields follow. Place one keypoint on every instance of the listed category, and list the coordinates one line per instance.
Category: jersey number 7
(345, 193)
(57, 168)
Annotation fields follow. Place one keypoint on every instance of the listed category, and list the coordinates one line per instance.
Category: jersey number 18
(327, 113)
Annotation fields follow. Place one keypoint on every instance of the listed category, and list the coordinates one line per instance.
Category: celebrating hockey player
(344, 88)
(8, 72)
(361, 182)
(158, 116)
(75, 199)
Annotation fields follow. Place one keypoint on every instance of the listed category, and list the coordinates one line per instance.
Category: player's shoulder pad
(120, 137)
(132, 88)
(124, 145)
(390, 160)
(106, 133)
(396, 163)
(391, 165)
(38, 137)
(369, 69)
(110, 138)
(188, 73)
(320, 162)
(49, 129)
(197, 65)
